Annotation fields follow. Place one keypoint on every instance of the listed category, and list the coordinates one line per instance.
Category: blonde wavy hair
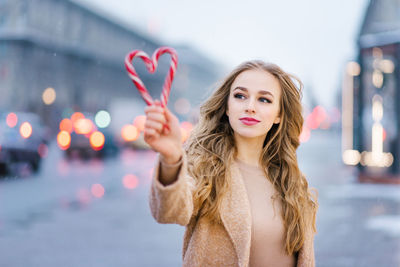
(211, 148)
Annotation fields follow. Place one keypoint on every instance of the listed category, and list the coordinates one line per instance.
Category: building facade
(377, 93)
(80, 53)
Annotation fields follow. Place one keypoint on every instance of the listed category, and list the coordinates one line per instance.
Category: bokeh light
(49, 96)
(187, 126)
(185, 134)
(129, 133)
(377, 78)
(351, 157)
(12, 120)
(186, 129)
(316, 118)
(311, 122)
(83, 126)
(63, 140)
(377, 107)
(377, 52)
(97, 140)
(353, 68)
(66, 125)
(139, 122)
(325, 124)
(182, 106)
(386, 65)
(25, 130)
(97, 190)
(376, 159)
(305, 135)
(77, 116)
(130, 181)
(102, 119)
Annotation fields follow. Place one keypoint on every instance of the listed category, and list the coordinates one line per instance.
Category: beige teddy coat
(206, 244)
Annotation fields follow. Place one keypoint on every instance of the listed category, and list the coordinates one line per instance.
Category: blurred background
(75, 171)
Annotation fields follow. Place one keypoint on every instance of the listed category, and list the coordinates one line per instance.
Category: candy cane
(151, 65)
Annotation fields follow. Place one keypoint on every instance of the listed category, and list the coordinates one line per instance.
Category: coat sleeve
(306, 257)
(172, 203)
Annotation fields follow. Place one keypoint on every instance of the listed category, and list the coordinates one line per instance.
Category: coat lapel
(237, 219)
(236, 216)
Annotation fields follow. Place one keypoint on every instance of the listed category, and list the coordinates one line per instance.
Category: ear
(227, 112)
(277, 120)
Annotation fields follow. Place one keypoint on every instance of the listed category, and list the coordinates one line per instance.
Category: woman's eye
(265, 100)
(239, 96)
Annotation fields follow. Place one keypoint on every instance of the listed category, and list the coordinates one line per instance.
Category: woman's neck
(249, 150)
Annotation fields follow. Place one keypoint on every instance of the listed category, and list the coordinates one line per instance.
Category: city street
(76, 76)
(55, 219)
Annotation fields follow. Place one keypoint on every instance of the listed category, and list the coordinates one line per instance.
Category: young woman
(236, 184)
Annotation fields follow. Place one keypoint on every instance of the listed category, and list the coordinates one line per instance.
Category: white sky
(310, 38)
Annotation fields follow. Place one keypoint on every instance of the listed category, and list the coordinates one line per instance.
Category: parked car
(23, 139)
(82, 146)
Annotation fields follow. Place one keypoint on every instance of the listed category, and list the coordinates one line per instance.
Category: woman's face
(253, 104)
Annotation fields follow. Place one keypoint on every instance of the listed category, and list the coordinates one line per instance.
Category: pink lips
(249, 121)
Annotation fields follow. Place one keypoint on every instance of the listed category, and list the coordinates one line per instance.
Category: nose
(250, 108)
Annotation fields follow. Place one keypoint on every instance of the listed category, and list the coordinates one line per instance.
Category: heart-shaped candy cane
(151, 65)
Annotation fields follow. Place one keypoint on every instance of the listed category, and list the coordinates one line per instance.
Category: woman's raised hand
(162, 132)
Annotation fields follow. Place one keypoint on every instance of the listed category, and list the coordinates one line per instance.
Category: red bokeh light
(66, 125)
(187, 126)
(139, 122)
(316, 117)
(12, 120)
(76, 116)
(305, 135)
(130, 181)
(97, 190)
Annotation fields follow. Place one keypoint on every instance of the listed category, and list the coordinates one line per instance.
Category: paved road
(53, 219)
(358, 224)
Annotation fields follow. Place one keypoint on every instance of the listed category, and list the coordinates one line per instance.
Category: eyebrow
(261, 92)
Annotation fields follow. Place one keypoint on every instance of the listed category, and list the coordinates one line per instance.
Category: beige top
(267, 230)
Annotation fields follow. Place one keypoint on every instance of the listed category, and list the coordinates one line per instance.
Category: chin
(250, 134)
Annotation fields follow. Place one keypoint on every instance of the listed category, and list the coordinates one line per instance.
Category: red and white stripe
(151, 65)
